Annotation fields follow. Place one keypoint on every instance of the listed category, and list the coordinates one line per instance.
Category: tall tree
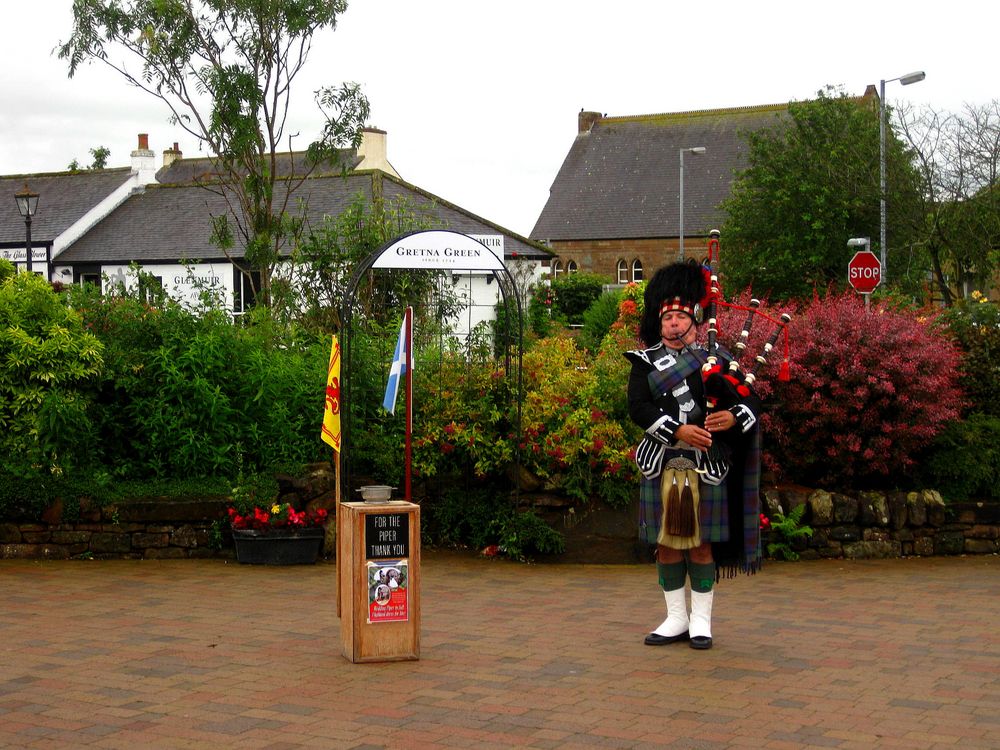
(958, 156)
(811, 184)
(224, 69)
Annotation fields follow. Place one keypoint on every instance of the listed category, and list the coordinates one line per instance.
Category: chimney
(373, 151)
(585, 121)
(170, 155)
(144, 161)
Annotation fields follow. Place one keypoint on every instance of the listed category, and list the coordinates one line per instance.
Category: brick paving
(210, 654)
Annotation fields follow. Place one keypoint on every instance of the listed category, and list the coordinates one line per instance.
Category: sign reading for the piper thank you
(387, 535)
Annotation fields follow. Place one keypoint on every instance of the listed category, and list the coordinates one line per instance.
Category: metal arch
(508, 287)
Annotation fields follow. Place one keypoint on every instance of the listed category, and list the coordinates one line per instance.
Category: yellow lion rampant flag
(331, 414)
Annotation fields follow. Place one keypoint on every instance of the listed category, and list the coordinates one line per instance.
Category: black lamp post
(27, 204)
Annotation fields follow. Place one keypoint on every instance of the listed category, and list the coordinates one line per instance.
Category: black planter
(278, 546)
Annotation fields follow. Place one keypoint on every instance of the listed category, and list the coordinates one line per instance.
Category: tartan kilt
(713, 511)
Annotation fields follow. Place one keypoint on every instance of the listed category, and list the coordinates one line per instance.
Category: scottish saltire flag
(396, 371)
(331, 413)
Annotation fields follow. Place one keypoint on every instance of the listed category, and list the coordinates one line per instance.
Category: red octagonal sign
(864, 272)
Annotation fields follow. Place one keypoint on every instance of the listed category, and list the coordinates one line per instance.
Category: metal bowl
(376, 492)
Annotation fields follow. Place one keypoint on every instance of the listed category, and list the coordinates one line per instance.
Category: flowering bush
(568, 437)
(278, 516)
(466, 413)
(975, 323)
(462, 418)
(869, 390)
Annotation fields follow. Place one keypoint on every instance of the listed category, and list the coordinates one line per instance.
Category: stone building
(614, 207)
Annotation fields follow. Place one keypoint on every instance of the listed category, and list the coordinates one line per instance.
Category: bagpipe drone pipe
(728, 384)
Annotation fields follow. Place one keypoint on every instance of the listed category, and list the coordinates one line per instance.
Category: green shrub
(598, 319)
(785, 532)
(460, 516)
(975, 323)
(541, 313)
(479, 517)
(574, 293)
(49, 367)
(521, 533)
(964, 461)
(195, 387)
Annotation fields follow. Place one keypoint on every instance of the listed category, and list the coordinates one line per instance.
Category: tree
(224, 69)
(100, 154)
(958, 156)
(329, 252)
(811, 184)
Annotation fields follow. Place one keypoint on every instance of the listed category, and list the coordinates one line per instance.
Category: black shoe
(701, 642)
(653, 639)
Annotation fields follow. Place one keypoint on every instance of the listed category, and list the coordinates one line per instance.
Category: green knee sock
(702, 576)
(671, 575)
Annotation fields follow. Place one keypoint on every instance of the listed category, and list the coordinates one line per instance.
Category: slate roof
(169, 222)
(620, 179)
(201, 170)
(63, 198)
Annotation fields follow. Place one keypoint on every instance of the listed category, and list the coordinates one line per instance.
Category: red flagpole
(409, 399)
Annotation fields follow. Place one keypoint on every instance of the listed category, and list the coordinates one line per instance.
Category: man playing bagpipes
(700, 455)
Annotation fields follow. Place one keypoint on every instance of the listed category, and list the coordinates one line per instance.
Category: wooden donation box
(378, 562)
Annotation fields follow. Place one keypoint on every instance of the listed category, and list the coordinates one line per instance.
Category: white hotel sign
(441, 249)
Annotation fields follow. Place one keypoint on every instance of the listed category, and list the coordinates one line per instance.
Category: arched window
(571, 267)
(556, 269)
(622, 272)
(636, 270)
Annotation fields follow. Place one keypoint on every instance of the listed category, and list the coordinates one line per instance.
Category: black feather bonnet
(680, 286)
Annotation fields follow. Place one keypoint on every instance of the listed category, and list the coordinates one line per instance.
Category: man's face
(677, 329)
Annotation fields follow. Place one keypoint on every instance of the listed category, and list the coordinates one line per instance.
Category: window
(556, 269)
(571, 267)
(244, 289)
(622, 272)
(150, 287)
(636, 270)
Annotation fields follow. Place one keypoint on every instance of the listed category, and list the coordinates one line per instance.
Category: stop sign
(864, 272)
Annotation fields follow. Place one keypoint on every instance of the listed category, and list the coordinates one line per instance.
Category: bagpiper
(699, 458)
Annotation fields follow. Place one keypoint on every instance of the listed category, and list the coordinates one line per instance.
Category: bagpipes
(726, 387)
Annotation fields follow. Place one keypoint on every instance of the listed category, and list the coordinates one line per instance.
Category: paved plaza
(212, 654)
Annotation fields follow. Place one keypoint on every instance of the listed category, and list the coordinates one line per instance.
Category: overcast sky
(480, 99)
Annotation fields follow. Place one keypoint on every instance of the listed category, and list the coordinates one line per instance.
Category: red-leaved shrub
(868, 391)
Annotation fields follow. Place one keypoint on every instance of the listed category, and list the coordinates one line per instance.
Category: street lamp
(27, 204)
(906, 80)
(698, 151)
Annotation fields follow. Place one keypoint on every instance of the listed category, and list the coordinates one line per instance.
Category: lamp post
(906, 80)
(698, 151)
(27, 204)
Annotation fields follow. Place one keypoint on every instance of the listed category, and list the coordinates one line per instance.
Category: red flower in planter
(280, 515)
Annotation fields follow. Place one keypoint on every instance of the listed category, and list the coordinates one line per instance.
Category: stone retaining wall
(140, 529)
(858, 525)
(888, 524)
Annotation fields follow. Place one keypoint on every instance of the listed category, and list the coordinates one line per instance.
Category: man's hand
(719, 421)
(696, 437)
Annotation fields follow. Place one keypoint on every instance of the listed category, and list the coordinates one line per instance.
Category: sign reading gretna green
(439, 249)
(387, 535)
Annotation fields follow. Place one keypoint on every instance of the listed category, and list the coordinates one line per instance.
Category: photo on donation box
(387, 599)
